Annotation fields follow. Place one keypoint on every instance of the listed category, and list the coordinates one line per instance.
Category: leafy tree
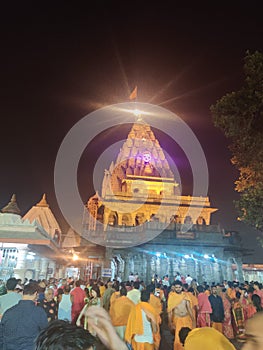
(240, 115)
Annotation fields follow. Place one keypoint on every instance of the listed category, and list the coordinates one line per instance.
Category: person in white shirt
(177, 277)
(142, 325)
(131, 277)
(165, 281)
(188, 280)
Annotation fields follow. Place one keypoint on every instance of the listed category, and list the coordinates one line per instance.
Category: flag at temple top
(133, 94)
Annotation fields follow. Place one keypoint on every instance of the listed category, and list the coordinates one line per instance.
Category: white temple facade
(30, 246)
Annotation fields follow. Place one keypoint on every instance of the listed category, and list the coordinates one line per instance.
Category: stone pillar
(50, 269)
(106, 263)
(183, 267)
(207, 272)
(215, 272)
(199, 272)
(82, 271)
(138, 264)
(43, 268)
(229, 272)
(132, 257)
(221, 267)
(177, 265)
(126, 273)
(142, 272)
(167, 266)
(106, 219)
(218, 272)
(148, 269)
(37, 268)
(62, 271)
(120, 266)
(155, 265)
(195, 268)
(133, 215)
(171, 270)
(108, 258)
(21, 258)
(120, 219)
(238, 262)
(191, 267)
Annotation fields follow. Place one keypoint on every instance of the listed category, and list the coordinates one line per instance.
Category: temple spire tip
(43, 202)
(12, 207)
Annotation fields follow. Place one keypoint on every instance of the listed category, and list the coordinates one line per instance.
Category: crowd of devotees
(74, 314)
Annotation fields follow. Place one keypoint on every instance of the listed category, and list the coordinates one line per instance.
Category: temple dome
(45, 217)
(12, 207)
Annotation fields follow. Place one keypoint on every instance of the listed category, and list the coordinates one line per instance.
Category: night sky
(60, 62)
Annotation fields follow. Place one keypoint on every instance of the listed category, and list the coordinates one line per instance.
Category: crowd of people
(123, 315)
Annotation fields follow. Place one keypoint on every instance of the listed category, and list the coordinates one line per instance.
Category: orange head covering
(207, 338)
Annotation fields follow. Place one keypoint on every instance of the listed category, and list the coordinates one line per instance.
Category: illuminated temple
(139, 222)
(148, 227)
(138, 181)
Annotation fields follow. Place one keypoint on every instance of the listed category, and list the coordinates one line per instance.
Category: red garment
(78, 303)
(204, 310)
(183, 279)
(227, 323)
(248, 309)
(203, 320)
(259, 292)
(204, 303)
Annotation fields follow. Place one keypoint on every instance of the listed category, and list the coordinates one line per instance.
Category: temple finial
(12, 207)
(43, 202)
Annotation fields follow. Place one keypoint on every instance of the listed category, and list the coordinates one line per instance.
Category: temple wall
(114, 214)
(207, 261)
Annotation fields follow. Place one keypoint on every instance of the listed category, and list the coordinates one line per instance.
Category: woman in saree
(227, 323)
(94, 300)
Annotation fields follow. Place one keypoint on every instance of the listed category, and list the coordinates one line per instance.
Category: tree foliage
(240, 115)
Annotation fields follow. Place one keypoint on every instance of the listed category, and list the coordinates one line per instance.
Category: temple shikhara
(138, 181)
(138, 222)
(147, 226)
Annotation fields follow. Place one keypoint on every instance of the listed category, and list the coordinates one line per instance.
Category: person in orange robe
(102, 288)
(231, 292)
(194, 302)
(179, 313)
(114, 297)
(204, 338)
(119, 312)
(155, 302)
(159, 292)
(142, 330)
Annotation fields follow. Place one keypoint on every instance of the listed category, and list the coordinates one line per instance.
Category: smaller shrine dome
(12, 207)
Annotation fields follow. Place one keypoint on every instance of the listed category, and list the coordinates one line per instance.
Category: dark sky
(59, 62)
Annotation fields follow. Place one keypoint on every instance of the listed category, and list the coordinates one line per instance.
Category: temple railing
(159, 233)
